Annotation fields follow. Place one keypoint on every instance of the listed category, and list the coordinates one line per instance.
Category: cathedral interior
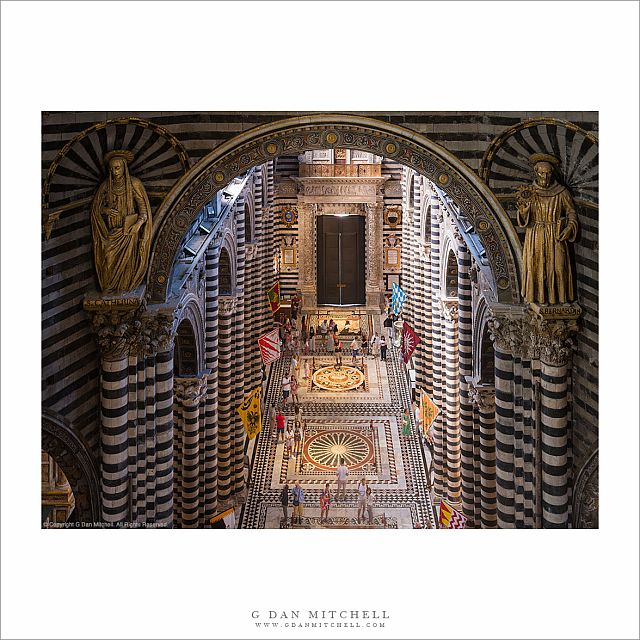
(453, 256)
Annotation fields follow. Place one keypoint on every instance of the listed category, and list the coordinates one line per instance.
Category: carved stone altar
(361, 196)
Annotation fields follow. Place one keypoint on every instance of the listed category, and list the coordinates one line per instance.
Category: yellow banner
(249, 411)
(428, 411)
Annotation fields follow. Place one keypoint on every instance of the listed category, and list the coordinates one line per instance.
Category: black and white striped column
(452, 403)
(485, 400)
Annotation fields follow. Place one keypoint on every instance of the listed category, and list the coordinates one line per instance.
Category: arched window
(224, 273)
(186, 351)
(248, 223)
(451, 276)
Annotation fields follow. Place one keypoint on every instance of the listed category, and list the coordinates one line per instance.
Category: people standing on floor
(332, 326)
(342, 473)
(375, 345)
(388, 323)
(284, 501)
(383, 349)
(369, 504)
(323, 332)
(297, 414)
(331, 343)
(354, 349)
(338, 354)
(298, 503)
(295, 387)
(288, 440)
(362, 499)
(406, 422)
(305, 370)
(294, 364)
(279, 425)
(417, 416)
(286, 388)
(325, 503)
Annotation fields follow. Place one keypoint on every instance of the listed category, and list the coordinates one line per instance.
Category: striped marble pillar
(439, 444)
(555, 422)
(210, 443)
(452, 399)
(226, 309)
(189, 393)
(484, 397)
(150, 435)
(469, 449)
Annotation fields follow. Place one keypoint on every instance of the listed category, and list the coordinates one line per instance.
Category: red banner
(410, 340)
(273, 295)
(269, 345)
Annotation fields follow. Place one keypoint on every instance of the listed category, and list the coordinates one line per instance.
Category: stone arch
(294, 135)
(73, 455)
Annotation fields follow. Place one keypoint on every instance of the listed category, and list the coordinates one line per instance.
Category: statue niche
(121, 227)
(547, 211)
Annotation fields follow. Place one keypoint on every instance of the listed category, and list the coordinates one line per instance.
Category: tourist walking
(305, 370)
(388, 323)
(331, 343)
(369, 503)
(406, 423)
(284, 501)
(295, 387)
(325, 503)
(375, 345)
(286, 389)
(362, 499)
(383, 349)
(338, 354)
(298, 503)
(272, 419)
(342, 472)
(312, 339)
(355, 348)
(279, 425)
(298, 437)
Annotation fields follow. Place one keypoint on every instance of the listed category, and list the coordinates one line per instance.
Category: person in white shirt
(362, 499)
(286, 388)
(342, 472)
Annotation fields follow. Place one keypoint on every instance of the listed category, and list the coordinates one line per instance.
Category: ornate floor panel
(355, 414)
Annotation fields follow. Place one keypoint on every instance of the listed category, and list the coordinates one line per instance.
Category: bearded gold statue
(121, 226)
(547, 211)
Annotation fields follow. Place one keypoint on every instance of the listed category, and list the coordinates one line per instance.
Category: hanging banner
(428, 411)
(269, 345)
(273, 295)
(398, 296)
(249, 411)
(450, 518)
(410, 340)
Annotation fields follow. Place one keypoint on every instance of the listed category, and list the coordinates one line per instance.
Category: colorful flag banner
(410, 340)
(249, 411)
(428, 411)
(269, 345)
(398, 296)
(450, 518)
(274, 297)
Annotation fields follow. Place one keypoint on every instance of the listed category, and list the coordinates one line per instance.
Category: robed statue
(547, 211)
(121, 226)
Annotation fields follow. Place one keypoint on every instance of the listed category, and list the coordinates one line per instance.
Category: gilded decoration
(546, 210)
(313, 132)
(392, 252)
(393, 216)
(289, 216)
(121, 227)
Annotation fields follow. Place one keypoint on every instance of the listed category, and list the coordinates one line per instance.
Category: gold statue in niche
(121, 226)
(547, 211)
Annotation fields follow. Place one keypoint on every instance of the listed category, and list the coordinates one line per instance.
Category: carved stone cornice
(227, 305)
(189, 391)
(449, 308)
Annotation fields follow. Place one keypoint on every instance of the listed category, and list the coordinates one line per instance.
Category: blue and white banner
(398, 296)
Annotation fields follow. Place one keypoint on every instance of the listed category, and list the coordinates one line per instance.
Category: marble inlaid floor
(361, 423)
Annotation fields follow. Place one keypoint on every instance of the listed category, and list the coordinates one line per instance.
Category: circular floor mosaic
(325, 450)
(344, 378)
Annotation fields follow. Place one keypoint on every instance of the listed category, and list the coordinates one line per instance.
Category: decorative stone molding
(505, 328)
(586, 495)
(555, 340)
(449, 307)
(189, 391)
(250, 251)
(227, 305)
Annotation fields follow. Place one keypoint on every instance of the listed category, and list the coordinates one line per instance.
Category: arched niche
(225, 273)
(450, 284)
(186, 351)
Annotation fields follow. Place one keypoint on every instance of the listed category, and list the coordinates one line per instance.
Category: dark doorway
(341, 267)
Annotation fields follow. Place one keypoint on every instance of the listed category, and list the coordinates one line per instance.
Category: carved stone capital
(555, 340)
(227, 305)
(157, 331)
(449, 307)
(189, 391)
(483, 396)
